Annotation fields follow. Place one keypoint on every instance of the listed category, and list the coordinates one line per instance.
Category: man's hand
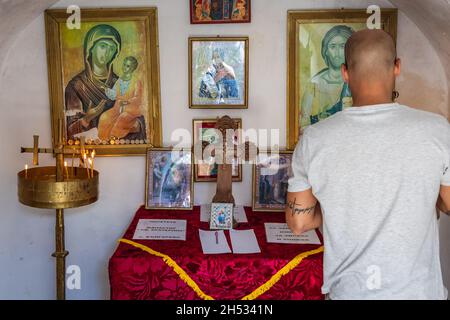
(303, 212)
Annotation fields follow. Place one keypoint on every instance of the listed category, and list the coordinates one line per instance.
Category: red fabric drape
(136, 274)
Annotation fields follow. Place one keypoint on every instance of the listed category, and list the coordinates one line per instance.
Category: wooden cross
(226, 151)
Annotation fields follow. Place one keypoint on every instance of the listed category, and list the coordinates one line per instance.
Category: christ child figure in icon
(122, 119)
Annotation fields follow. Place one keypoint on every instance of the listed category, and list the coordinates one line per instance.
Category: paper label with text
(160, 229)
(280, 233)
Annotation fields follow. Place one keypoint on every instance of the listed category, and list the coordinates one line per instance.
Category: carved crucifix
(225, 152)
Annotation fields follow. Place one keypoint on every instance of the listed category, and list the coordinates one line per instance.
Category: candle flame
(65, 163)
(26, 167)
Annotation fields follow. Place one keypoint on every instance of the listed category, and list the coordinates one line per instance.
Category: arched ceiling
(15, 15)
(431, 16)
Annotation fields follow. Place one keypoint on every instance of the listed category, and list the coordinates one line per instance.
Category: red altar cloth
(137, 274)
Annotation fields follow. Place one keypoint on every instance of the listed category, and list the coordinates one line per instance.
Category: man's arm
(443, 203)
(303, 212)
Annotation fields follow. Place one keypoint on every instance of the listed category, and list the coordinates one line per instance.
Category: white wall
(27, 235)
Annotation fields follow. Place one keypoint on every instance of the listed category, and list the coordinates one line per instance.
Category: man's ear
(344, 72)
(398, 67)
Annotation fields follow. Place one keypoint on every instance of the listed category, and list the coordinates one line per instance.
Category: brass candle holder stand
(59, 188)
(39, 189)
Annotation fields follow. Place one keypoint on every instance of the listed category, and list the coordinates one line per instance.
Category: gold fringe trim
(255, 294)
(171, 263)
(282, 272)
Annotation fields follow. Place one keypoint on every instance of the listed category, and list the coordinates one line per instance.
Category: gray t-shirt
(376, 171)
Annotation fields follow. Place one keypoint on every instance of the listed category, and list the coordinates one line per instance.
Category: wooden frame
(241, 13)
(148, 180)
(256, 206)
(197, 177)
(296, 19)
(145, 129)
(219, 96)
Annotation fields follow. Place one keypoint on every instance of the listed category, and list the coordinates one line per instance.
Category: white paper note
(205, 212)
(214, 242)
(239, 213)
(244, 241)
(280, 233)
(160, 229)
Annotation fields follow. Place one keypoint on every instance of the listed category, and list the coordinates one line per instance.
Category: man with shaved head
(371, 67)
(373, 175)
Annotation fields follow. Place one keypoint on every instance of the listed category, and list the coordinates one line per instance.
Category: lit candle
(67, 170)
(85, 164)
(92, 167)
(73, 160)
(26, 171)
(92, 157)
(81, 164)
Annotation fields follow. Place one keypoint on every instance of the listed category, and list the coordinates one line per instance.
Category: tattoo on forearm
(296, 208)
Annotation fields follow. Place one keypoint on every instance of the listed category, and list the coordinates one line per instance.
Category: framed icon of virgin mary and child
(316, 44)
(104, 78)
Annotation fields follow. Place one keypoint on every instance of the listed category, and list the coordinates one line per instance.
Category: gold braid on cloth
(191, 283)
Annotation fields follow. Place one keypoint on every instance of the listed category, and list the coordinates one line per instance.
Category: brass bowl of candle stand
(37, 188)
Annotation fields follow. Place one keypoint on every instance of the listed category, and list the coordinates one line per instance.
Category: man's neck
(371, 95)
(369, 101)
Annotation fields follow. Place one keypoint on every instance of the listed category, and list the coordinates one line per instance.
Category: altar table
(178, 270)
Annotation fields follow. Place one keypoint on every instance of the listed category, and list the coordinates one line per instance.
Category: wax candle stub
(66, 169)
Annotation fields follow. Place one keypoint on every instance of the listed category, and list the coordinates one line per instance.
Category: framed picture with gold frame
(218, 72)
(169, 179)
(271, 173)
(205, 168)
(104, 79)
(316, 43)
(219, 11)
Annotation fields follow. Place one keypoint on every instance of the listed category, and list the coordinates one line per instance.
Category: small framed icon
(221, 216)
